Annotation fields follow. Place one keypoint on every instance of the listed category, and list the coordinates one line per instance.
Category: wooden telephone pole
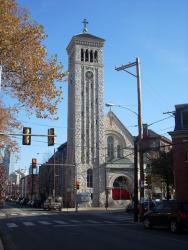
(139, 115)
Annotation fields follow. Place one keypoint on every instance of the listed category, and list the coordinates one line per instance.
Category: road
(31, 229)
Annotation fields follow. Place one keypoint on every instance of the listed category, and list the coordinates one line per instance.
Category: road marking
(35, 213)
(45, 222)
(2, 215)
(28, 223)
(23, 214)
(91, 224)
(60, 222)
(11, 225)
(13, 214)
(44, 214)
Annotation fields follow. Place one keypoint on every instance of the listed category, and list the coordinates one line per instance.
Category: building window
(82, 55)
(91, 56)
(90, 178)
(119, 153)
(186, 156)
(110, 147)
(185, 119)
(86, 56)
(96, 56)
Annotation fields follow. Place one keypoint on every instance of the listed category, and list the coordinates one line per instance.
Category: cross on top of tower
(85, 22)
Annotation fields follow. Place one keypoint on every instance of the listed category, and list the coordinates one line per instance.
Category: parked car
(51, 204)
(169, 213)
(147, 205)
(142, 208)
(24, 202)
(36, 203)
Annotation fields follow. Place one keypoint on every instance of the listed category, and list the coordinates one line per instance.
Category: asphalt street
(31, 229)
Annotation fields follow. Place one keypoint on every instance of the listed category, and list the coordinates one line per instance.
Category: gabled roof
(88, 36)
(110, 114)
(153, 134)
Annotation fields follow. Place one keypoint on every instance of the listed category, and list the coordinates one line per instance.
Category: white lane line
(13, 214)
(23, 214)
(28, 223)
(35, 213)
(44, 214)
(2, 215)
(60, 222)
(44, 222)
(11, 225)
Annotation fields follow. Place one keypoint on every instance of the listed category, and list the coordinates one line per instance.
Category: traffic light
(34, 163)
(50, 136)
(148, 180)
(26, 140)
(77, 185)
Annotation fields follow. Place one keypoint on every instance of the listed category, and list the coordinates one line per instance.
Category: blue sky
(156, 31)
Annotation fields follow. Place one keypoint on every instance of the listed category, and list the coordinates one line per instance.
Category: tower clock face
(89, 75)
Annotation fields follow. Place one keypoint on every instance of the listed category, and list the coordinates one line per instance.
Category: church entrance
(119, 190)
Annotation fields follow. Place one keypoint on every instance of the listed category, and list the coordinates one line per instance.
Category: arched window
(82, 55)
(119, 152)
(110, 146)
(90, 178)
(120, 182)
(91, 56)
(96, 56)
(86, 56)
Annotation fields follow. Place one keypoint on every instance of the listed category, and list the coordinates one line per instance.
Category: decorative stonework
(88, 129)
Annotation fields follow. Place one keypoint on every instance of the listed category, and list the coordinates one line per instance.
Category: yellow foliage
(27, 74)
(8, 124)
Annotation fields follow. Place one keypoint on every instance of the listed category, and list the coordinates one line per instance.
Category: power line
(160, 120)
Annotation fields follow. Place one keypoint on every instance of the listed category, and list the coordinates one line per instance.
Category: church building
(99, 164)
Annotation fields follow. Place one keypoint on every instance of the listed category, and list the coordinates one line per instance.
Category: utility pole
(135, 200)
(140, 127)
(32, 184)
(54, 177)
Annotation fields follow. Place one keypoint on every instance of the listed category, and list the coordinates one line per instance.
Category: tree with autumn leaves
(161, 168)
(29, 75)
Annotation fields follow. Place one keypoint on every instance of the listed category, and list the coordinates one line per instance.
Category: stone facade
(87, 162)
(85, 114)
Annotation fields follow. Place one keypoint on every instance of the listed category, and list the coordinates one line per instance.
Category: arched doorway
(119, 190)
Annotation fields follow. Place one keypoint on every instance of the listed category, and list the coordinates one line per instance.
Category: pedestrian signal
(26, 140)
(77, 185)
(34, 163)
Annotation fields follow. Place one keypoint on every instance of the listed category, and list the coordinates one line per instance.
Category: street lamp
(110, 105)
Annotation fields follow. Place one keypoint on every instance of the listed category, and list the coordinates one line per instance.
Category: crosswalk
(59, 223)
(20, 214)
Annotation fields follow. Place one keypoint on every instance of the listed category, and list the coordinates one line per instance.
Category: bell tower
(85, 145)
